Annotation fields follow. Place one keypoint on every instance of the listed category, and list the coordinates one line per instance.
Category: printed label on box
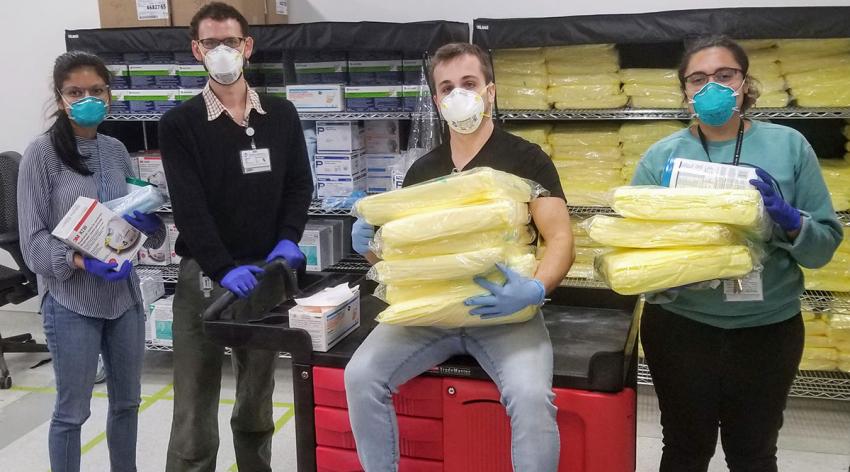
(152, 9)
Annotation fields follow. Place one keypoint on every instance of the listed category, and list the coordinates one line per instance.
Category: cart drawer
(329, 459)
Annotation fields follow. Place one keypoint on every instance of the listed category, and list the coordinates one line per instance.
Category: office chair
(16, 285)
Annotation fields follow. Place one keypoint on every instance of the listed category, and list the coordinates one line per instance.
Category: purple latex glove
(147, 223)
(517, 293)
(786, 216)
(241, 280)
(106, 270)
(290, 252)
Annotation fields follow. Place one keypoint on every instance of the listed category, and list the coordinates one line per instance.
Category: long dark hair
(737, 52)
(61, 132)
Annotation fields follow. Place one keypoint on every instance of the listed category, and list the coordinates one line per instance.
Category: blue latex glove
(106, 270)
(241, 280)
(362, 233)
(288, 251)
(517, 293)
(147, 223)
(786, 216)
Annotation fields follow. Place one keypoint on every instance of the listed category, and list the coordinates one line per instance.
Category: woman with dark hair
(89, 306)
(722, 358)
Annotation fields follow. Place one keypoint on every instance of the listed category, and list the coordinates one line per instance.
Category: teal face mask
(715, 103)
(88, 112)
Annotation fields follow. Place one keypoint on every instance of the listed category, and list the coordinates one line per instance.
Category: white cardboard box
(156, 256)
(173, 233)
(339, 136)
(152, 289)
(382, 144)
(380, 165)
(96, 231)
(332, 186)
(327, 325)
(379, 184)
(382, 136)
(316, 97)
(151, 170)
(340, 164)
(162, 318)
(317, 244)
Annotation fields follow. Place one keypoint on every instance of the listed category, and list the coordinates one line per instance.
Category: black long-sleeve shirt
(224, 215)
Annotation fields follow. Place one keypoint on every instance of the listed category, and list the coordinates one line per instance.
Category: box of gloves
(328, 316)
(96, 231)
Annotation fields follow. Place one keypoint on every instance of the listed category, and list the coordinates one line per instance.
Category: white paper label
(748, 289)
(282, 7)
(152, 9)
(687, 173)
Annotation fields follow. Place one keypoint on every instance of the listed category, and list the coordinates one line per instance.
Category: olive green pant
(197, 380)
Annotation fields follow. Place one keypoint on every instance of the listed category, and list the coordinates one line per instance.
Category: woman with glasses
(89, 306)
(722, 357)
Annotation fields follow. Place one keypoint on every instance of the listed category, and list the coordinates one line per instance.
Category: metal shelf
(591, 210)
(165, 208)
(573, 282)
(353, 264)
(666, 114)
(167, 273)
(317, 210)
(826, 302)
(351, 115)
(153, 346)
(134, 117)
(808, 384)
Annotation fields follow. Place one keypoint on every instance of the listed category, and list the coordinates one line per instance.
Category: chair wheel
(6, 382)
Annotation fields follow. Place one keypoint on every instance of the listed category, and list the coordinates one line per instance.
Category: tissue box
(327, 325)
(333, 186)
(192, 76)
(151, 170)
(344, 165)
(96, 231)
(316, 98)
(339, 136)
(317, 245)
(161, 320)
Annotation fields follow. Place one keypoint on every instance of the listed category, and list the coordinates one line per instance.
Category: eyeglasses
(212, 43)
(76, 93)
(724, 75)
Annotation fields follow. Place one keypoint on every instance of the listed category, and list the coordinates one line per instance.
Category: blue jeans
(75, 342)
(518, 357)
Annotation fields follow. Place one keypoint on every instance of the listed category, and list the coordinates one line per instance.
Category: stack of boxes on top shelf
(816, 70)
(764, 67)
(146, 13)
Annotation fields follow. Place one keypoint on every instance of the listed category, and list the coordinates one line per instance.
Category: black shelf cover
(667, 26)
(361, 36)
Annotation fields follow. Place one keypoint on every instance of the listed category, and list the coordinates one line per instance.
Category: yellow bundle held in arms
(624, 232)
(450, 266)
(461, 220)
(520, 235)
(741, 207)
(634, 271)
(441, 303)
(467, 187)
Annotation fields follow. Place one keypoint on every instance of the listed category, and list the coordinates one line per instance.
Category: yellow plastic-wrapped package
(536, 133)
(650, 131)
(812, 46)
(453, 222)
(576, 165)
(594, 176)
(624, 232)
(587, 255)
(523, 80)
(595, 103)
(838, 335)
(655, 101)
(468, 187)
(519, 235)
(660, 91)
(634, 271)
(826, 75)
(773, 100)
(816, 327)
(445, 267)
(442, 305)
(741, 207)
(770, 83)
(523, 102)
(519, 55)
(818, 365)
(835, 96)
(566, 93)
(588, 52)
(587, 153)
(820, 354)
(585, 134)
(817, 341)
(751, 45)
(649, 77)
(610, 79)
(812, 65)
(581, 270)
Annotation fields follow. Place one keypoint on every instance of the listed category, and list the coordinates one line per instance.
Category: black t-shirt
(503, 151)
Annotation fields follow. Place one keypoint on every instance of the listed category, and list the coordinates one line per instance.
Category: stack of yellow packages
(586, 251)
(839, 330)
(437, 236)
(537, 133)
(637, 137)
(764, 67)
(846, 133)
(588, 159)
(522, 79)
(652, 88)
(816, 70)
(818, 350)
(836, 174)
(671, 237)
(833, 277)
(584, 76)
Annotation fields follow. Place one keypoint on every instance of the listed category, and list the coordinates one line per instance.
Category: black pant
(707, 378)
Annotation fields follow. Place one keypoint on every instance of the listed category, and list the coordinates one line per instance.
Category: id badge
(255, 161)
(748, 289)
(206, 285)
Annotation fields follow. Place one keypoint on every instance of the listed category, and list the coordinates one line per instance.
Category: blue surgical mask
(715, 103)
(88, 112)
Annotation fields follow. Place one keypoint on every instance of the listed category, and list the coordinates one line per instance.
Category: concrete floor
(815, 438)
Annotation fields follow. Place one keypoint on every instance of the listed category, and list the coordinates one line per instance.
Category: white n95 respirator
(463, 110)
(224, 64)
(120, 235)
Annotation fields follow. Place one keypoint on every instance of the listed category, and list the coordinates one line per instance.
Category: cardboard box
(192, 76)
(277, 12)
(182, 11)
(151, 101)
(134, 13)
(412, 94)
(317, 245)
(343, 165)
(153, 76)
(382, 144)
(151, 170)
(119, 104)
(186, 94)
(173, 233)
(332, 186)
(379, 184)
(276, 91)
(158, 256)
(375, 69)
(339, 136)
(319, 67)
(162, 319)
(382, 136)
(272, 73)
(374, 98)
(380, 165)
(328, 326)
(96, 231)
(152, 289)
(412, 71)
(119, 76)
(316, 97)
(341, 249)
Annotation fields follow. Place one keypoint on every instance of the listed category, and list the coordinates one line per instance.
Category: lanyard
(738, 143)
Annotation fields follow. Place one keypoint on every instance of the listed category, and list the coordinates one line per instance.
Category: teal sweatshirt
(790, 159)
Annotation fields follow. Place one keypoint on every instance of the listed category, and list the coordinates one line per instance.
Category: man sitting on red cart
(518, 357)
